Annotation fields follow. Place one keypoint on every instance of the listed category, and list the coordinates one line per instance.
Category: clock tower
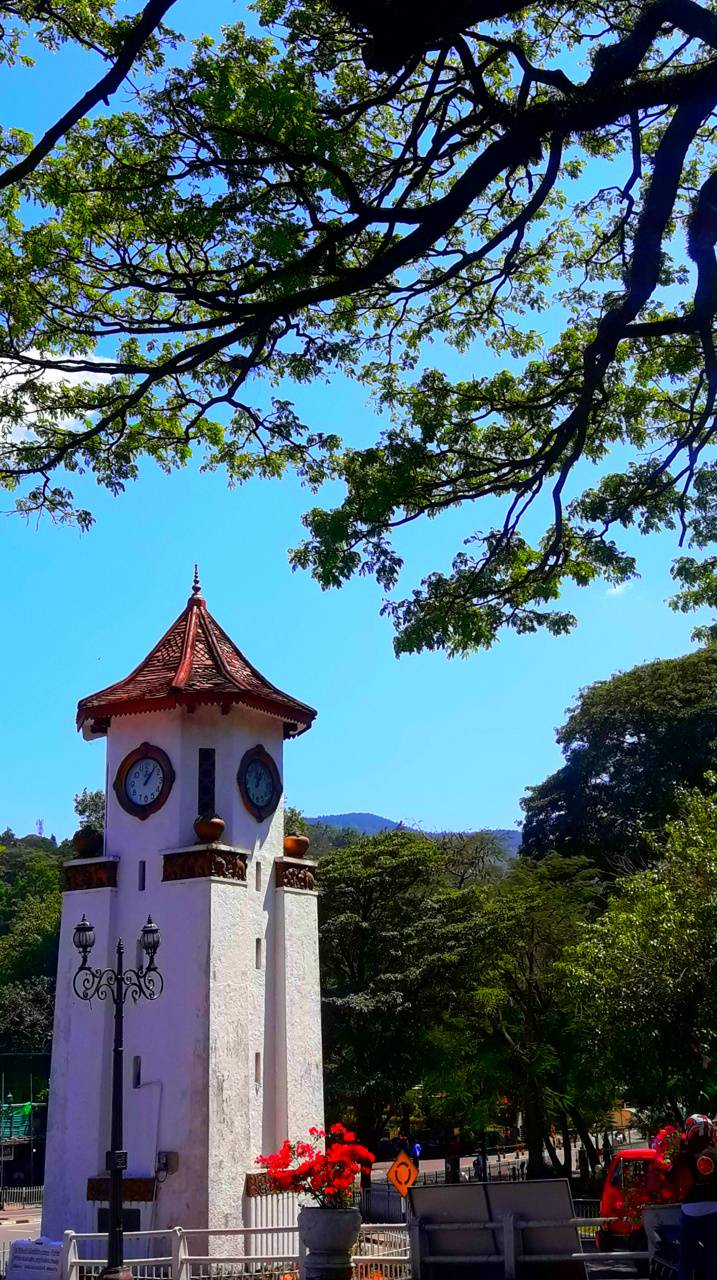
(227, 1062)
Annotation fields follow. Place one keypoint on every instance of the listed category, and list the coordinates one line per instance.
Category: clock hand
(147, 776)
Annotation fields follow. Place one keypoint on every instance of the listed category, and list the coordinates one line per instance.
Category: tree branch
(146, 24)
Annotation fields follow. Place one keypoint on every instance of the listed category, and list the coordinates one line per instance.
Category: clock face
(144, 781)
(259, 783)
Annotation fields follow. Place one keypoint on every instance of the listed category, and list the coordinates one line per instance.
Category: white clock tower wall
(230, 1054)
(200, 1041)
(77, 1129)
(181, 735)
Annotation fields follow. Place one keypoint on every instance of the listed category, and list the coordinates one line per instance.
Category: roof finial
(196, 585)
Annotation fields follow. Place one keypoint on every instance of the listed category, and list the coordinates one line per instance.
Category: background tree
(90, 809)
(332, 199)
(629, 743)
(393, 937)
(294, 822)
(523, 1036)
(30, 903)
(470, 857)
(645, 977)
(26, 1012)
(120, 42)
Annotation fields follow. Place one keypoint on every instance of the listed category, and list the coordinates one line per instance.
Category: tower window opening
(141, 875)
(258, 875)
(257, 1069)
(136, 1071)
(258, 953)
(206, 773)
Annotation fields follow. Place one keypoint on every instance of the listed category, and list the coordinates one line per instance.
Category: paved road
(12, 1228)
(437, 1166)
(503, 1164)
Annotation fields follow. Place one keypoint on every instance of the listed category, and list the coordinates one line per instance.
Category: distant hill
(369, 824)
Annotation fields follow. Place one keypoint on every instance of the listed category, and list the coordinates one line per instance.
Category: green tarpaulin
(15, 1120)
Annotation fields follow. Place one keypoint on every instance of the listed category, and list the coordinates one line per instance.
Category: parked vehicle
(628, 1170)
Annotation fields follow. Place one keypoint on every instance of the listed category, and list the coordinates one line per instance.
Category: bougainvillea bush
(325, 1168)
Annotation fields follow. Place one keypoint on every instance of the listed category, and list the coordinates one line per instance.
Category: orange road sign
(403, 1173)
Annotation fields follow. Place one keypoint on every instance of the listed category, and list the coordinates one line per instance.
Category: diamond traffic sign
(403, 1173)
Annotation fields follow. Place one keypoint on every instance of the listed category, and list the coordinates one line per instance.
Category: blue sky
(438, 743)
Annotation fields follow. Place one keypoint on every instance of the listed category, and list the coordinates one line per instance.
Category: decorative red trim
(143, 811)
(200, 864)
(191, 699)
(163, 681)
(295, 875)
(184, 670)
(260, 812)
(134, 1190)
(100, 874)
(258, 1184)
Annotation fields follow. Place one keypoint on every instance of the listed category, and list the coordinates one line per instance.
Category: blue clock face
(259, 784)
(144, 781)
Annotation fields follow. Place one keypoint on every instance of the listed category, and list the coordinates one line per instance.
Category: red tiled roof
(195, 662)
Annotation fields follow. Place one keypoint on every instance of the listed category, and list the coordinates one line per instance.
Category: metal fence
(232, 1254)
(20, 1197)
(587, 1209)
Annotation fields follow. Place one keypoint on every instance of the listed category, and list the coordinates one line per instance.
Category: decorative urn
(87, 842)
(295, 846)
(209, 830)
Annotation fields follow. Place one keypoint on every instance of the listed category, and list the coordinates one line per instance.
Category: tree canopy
(30, 904)
(513, 1011)
(644, 977)
(394, 935)
(630, 743)
(337, 193)
(90, 809)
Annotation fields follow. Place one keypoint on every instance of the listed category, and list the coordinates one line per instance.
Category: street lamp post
(148, 983)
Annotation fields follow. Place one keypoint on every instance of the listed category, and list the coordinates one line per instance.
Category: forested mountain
(370, 824)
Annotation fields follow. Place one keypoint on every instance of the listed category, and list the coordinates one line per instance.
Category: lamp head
(84, 938)
(150, 940)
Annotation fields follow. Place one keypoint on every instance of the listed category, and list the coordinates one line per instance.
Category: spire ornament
(196, 584)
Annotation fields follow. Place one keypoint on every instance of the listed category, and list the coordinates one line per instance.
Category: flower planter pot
(87, 843)
(295, 846)
(328, 1236)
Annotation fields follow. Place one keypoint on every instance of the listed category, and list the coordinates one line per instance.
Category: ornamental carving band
(258, 1184)
(134, 1190)
(197, 864)
(101, 874)
(291, 876)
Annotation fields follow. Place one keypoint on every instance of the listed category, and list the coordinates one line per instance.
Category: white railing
(382, 1252)
(273, 1218)
(23, 1196)
(232, 1254)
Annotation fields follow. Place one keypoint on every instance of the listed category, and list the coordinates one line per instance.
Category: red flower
(328, 1175)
